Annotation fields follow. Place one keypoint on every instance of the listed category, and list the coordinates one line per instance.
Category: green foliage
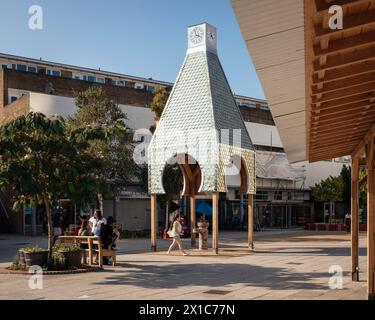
(173, 183)
(347, 180)
(159, 101)
(33, 249)
(42, 161)
(97, 110)
(66, 248)
(330, 189)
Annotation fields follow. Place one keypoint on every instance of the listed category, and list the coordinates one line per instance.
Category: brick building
(37, 85)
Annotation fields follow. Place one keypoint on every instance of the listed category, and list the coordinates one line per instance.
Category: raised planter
(38, 258)
(72, 258)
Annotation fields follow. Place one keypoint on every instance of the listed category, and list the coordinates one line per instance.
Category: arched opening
(182, 179)
(236, 180)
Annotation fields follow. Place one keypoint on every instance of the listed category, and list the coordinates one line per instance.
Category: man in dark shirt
(106, 235)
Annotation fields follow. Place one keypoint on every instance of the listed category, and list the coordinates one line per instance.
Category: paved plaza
(285, 265)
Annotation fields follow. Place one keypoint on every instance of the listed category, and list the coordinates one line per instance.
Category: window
(100, 80)
(118, 83)
(139, 86)
(19, 67)
(150, 88)
(278, 195)
(12, 99)
(91, 78)
(264, 107)
(4, 66)
(32, 69)
(54, 73)
(261, 195)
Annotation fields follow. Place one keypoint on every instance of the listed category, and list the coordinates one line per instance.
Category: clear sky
(144, 38)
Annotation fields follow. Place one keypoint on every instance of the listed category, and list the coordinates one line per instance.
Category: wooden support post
(370, 230)
(154, 222)
(192, 220)
(215, 222)
(354, 220)
(250, 223)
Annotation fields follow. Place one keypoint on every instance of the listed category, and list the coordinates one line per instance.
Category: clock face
(196, 35)
(211, 35)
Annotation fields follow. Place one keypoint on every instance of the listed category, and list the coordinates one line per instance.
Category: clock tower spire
(202, 37)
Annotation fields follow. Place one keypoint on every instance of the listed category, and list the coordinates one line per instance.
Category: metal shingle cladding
(200, 103)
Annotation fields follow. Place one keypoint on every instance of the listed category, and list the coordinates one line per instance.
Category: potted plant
(34, 256)
(72, 254)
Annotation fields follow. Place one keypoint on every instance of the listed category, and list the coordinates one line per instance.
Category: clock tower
(202, 37)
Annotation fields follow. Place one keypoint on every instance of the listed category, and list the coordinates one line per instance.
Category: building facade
(282, 199)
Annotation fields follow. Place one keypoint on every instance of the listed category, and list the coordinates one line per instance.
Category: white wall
(264, 135)
(138, 117)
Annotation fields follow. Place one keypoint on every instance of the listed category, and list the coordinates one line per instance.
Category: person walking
(175, 232)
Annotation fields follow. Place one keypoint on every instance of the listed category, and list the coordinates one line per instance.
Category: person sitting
(85, 229)
(96, 222)
(106, 235)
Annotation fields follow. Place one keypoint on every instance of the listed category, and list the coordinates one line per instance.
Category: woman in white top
(174, 232)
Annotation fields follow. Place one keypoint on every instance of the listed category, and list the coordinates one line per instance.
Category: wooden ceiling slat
(339, 122)
(323, 5)
(355, 21)
(353, 114)
(345, 59)
(345, 101)
(344, 44)
(358, 106)
(345, 72)
(367, 87)
(337, 132)
(346, 83)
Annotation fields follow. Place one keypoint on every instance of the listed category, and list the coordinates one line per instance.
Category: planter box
(72, 258)
(35, 258)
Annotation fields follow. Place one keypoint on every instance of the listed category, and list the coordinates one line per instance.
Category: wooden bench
(97, 242)
(78, 240)
(95, 246)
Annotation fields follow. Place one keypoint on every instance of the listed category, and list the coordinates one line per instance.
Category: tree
(95, 108)
(40, 160)
(173, 184)
(330, 189)
(347, 180)
(159, 101)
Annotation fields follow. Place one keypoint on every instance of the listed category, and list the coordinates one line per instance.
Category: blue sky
(144, 38)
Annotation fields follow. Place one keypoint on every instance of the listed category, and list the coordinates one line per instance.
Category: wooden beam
(346, 83)
(345, 72)
(193, 221)
(339, 123)
(346, 59)
(250, 223)
(339, 94)
(215, 222)
(370, 223)
(354, 219)
(154, 222)
(353, 114)
(333, 109)
(323, 5)
(361, 147)
(353, 22)
(344, 44)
